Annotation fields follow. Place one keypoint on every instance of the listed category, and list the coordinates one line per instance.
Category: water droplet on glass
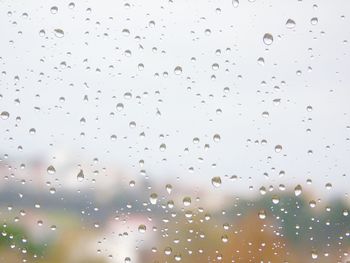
(309, 108)
(162, 147)
(4, 115)
(290, 23)
(216, 138)
(80, 176)
(186, 201)
(51, 170)
(215, 66)
(262, 214)
(178, 70)
(59, 33)
(216, 181)
(168, 251)
(314, 21)
(261, 61)
(42, 33)
(268, 39)
(153, 198)
(168, 188)
(278, 148)
(54, 10)
(142, 228)
(120, 106)
(298, 190)
(235, 3)
(275, 199)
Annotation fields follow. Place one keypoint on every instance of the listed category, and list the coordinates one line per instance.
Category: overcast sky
(53, 80)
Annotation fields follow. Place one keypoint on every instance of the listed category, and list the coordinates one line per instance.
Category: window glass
(174, 131)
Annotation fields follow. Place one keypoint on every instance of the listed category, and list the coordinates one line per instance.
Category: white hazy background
(173, 109)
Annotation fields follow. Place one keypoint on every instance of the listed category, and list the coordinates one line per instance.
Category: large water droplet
(268, 39)
(4, 115)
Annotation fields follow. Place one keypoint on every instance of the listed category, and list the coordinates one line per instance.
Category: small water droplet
(178, 70)
(290, 23)
(235, 3)
(54, 10)
(314, 21)
(59, 33)
(153, 198)
(216, 181)
(51, 170)
(298, 190)
(262, 214)
(162, 147)
(142, 228)
(80, 176)
(169, 188)
(216, 138)
(278, 148)
(186, 201)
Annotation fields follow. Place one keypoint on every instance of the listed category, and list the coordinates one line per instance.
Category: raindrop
(142, 228)
(162, 147)
(216, 138)
(261, 61)
(298, 190)
(168, 251)
(235, 3)
(216, 181)
(290, 23)
(278, 148)
(42, 33)
(120, 106)
(268, 39)
(275, 199)
(178, 70)
(169, 188)
(51, 170)
(80, 176)
(54, 10)
(215, 66)
(314, 21)
(4, 115)
(262, 214)
(153, 198)
(186, 201)
(59, 33)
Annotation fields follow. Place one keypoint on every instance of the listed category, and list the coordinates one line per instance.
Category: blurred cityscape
(58, 214)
